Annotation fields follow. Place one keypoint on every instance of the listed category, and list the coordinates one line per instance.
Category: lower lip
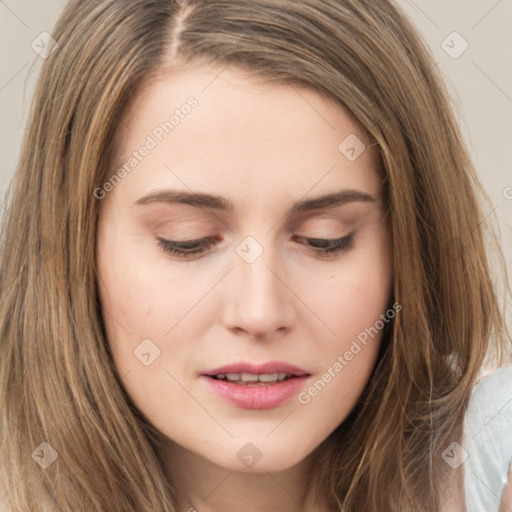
(257, 396)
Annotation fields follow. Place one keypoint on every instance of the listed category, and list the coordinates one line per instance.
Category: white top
(487, 450)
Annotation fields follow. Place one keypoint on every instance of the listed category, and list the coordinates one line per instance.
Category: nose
(259, 301)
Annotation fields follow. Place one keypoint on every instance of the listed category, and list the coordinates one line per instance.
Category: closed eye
(322, 246)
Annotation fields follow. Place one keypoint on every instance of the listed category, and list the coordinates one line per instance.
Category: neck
(204, 486)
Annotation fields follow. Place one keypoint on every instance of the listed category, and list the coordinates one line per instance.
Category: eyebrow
(215, 202)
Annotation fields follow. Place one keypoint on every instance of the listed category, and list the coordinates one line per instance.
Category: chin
(259, 457)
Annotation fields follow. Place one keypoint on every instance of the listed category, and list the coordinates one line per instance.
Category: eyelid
(331, 246)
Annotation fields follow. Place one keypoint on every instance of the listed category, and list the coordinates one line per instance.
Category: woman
(244, 280)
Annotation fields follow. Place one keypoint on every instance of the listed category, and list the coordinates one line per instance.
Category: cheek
(144, 298)
(135, 285)
(352, 303)
(351, 297)
(137, 303)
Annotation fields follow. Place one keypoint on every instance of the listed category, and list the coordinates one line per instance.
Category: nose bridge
(261, 303)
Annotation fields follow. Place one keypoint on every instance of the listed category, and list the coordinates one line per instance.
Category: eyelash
(188, 248)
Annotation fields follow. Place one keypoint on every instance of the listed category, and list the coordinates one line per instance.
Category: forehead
(242, 135)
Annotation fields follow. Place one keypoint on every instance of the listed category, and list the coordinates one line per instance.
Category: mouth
(247, 373)
(250, 379)
(251, 386)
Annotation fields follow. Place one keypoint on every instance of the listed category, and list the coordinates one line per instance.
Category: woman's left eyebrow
(215, 202)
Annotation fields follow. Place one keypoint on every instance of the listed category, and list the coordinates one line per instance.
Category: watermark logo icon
(351, 147)
(147, 352)
(454, 455)
(454, 45)
(45, 455)
(44, 45)
(249, 455)
(249, 249)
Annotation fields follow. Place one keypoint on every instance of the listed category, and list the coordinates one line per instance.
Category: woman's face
(260, 176)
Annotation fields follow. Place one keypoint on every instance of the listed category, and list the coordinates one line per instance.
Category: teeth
(266, 377)
(249, 377)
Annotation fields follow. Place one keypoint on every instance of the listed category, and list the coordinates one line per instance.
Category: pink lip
(260, 396)
(257, 369)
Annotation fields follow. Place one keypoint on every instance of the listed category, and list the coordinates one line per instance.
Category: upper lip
(258, 369)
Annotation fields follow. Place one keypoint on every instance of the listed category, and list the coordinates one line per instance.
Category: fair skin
(262, 148)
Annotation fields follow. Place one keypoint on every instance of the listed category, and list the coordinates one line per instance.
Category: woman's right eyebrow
(216, 202)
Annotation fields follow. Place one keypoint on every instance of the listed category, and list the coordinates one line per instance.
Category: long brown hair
(58, 384)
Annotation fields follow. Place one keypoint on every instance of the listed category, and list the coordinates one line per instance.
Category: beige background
(480, 81)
